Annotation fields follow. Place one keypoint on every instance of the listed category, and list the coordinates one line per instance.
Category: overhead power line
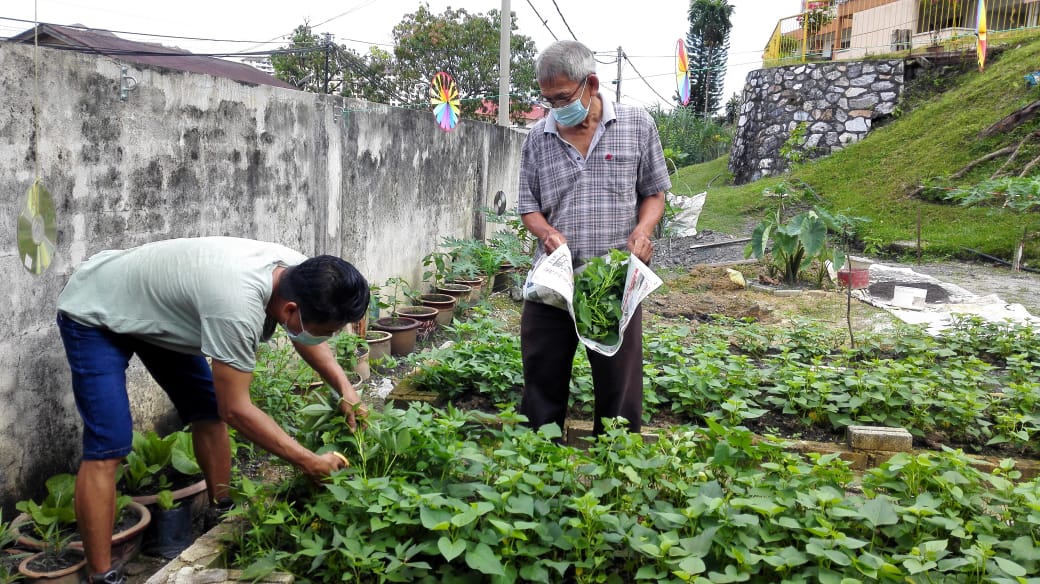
(663, 98)
(545, 23)
(565, 23)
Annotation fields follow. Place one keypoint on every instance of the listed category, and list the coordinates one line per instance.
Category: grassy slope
(872, 178)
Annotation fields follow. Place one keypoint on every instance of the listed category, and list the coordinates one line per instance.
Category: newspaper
(551, 281)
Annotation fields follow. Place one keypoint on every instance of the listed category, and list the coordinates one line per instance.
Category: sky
(646, 30)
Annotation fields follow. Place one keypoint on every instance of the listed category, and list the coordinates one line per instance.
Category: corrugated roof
(103, 42)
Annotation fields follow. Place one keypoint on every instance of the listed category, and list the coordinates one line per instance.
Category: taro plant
(796, 243)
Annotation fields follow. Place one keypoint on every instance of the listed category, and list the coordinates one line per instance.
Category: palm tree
(710, 24)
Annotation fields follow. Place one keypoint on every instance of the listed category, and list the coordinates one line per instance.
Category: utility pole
(620, 54)
(328, 45)
(505, 23)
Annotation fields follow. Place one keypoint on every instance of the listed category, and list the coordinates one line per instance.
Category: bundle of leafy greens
(597, 297)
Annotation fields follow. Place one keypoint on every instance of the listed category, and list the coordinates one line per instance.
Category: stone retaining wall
(836, 102)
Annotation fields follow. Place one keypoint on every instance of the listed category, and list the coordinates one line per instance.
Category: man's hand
(353, 409)
(324, 465)
(640, 245)
(553, 241)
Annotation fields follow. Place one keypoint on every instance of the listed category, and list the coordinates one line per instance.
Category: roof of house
(103, 42)
(489, 107)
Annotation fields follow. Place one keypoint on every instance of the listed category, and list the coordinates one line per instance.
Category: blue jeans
(98, 359)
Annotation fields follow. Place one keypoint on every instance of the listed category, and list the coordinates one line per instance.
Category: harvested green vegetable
(597, 297)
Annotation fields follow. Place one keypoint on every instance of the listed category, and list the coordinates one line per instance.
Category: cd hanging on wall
(37, 231)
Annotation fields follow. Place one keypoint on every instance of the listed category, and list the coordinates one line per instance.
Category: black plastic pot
(170, 532)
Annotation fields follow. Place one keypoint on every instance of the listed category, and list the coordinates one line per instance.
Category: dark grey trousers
(547, 343)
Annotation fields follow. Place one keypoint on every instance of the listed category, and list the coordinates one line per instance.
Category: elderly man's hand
(640, 245)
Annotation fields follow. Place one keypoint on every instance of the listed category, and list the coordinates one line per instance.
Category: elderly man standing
(175, 303)
(593, 176)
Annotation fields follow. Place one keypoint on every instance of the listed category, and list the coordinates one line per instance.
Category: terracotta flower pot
(126, 542)
(402, 330)
(476, 287)
(378, 344)
(460, 292)
(444, 303)
(426, 315)
(69, 567)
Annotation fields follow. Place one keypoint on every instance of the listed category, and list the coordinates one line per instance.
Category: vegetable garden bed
(439, 495)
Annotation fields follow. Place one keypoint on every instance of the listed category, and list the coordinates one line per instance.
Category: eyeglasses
(560, 102)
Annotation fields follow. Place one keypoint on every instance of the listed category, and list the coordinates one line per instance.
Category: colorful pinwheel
(682, 72)
(444, 97)
(980, 31)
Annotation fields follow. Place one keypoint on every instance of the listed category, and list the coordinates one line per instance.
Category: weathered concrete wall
(837, 103)
(190, 155)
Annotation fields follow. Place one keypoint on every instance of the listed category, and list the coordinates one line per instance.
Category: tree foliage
(707, 45)
(464, 45)
(314, 63)
(467, 47)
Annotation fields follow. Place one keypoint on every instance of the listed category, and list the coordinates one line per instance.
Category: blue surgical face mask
(304, 337)
(573, 113)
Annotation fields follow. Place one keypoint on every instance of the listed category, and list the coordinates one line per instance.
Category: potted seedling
(438, 271)
(9, 556)
(407, 303)
(49, 527)
(159, 463)
(171, 525)
(352, 352)
(515, 247)
(161, 467)
(403, 329)
(465, 264)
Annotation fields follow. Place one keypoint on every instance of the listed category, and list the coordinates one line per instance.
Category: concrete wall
(872, 30)
(190, 155)
(837, 102)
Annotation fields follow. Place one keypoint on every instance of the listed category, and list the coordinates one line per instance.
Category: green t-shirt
(202, 296)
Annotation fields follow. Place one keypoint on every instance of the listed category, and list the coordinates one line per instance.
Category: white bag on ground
(684, 223)
(551, 281)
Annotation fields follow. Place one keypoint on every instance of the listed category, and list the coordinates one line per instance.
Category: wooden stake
(918, 236)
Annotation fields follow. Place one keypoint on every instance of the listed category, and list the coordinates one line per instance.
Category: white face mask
(304, 337)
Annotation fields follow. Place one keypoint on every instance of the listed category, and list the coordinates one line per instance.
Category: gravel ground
(707, 247)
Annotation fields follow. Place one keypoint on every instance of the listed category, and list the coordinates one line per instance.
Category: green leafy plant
(53, 520)
(8, 536)
(402, 292)
(348, 348)
(483, 358)
(793, 149)
(796, 243)
(438, 264)
(155, 461)
(164, 499)
(598, 289)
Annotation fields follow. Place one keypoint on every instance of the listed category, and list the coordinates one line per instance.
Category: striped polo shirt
(593, 201)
